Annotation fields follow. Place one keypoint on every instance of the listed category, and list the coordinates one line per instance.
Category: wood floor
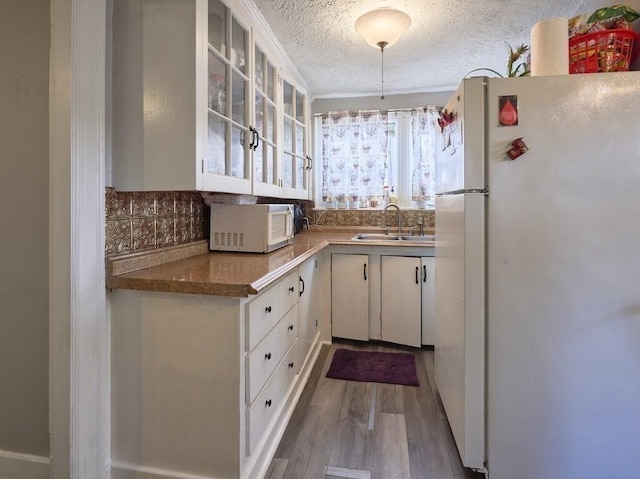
(347, 429)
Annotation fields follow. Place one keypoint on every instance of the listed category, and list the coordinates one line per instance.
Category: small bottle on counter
(393, 199)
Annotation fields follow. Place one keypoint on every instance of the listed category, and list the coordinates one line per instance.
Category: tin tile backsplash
(146, 220)
(139, 221)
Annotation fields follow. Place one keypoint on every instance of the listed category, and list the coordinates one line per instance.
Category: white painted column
(79, 385)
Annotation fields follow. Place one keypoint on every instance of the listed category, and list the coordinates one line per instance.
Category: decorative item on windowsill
(421, 197)
(342, 201)
(381, 28)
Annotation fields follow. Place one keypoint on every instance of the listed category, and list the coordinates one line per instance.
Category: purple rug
(377, 367)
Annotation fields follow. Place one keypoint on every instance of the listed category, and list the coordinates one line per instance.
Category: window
(367, 156)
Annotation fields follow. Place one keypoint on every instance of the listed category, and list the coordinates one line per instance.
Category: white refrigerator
(537, 345)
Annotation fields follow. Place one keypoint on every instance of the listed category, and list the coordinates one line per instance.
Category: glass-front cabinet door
(226, 164)
(296, 164)
(265, 144)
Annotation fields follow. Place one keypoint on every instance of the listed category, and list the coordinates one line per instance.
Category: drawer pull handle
(267, 403)
(291, 288)
(267, 356)
(291, 365)
(290, 327)
(268, 309)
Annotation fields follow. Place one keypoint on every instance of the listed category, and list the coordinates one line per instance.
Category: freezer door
(460, 142)
(460, 320)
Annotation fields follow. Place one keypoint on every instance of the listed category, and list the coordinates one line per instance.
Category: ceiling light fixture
(382, 28)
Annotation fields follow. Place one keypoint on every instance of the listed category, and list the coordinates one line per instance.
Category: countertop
(193, 269)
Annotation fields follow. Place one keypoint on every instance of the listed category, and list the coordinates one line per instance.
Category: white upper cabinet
(198, 101)
(296, 163)
(229, 134)
(266, 180)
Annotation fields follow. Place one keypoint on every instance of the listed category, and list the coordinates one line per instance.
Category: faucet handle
(385, 228)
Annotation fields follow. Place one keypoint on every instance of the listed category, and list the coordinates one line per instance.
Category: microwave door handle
(291, 225)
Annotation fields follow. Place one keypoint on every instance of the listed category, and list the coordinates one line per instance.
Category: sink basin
(418, 238)
(384, 237)
(375, 237)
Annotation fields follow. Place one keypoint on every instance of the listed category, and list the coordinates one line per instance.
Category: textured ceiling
(447, 39)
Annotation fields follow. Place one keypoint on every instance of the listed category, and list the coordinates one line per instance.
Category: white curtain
(354, 154)
(423, 135)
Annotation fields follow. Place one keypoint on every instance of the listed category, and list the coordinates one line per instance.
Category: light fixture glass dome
(384, 25)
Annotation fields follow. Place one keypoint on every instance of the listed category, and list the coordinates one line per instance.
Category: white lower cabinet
(407, 300)
(271, 399)
(428, 267)
(263, 360)
(310, 305)
(389, 297)
(350, 296)
(400, 300)
(203, 386)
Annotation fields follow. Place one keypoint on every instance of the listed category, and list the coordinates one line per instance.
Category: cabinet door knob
(267, 356)
(268, 309)
(267, 403)
(291, 288)
(290, 327)
(291, 365)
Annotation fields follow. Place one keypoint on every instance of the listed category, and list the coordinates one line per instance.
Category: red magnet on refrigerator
(508, 108)
(518, 148)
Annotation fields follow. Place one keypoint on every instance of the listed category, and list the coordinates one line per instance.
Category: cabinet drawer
(289, 291)
(266, 356)
(263, 314)
(268, 308)
(271, 399)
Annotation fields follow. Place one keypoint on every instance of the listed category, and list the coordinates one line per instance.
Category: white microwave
(250, 228)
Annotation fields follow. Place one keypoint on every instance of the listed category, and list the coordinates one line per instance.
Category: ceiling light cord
(382, 45)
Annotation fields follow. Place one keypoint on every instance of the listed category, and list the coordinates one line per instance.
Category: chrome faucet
(420, 226)
(399, 215)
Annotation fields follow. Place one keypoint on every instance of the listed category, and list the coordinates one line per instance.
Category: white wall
(24, 179)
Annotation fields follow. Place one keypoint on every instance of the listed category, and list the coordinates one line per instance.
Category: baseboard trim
(24, 466)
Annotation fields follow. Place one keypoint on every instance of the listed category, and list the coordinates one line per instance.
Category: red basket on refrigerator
(606, 51)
